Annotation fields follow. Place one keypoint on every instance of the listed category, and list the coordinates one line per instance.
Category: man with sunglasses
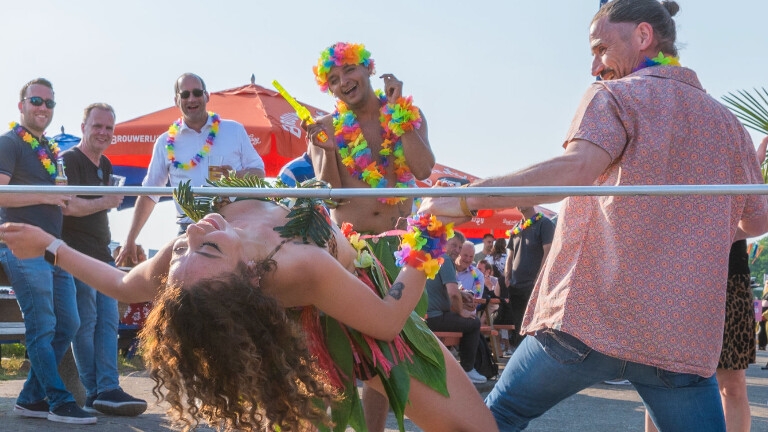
(86, 228)
(45, 292)
(185, 152)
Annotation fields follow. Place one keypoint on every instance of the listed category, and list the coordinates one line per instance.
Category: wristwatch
(50, 251)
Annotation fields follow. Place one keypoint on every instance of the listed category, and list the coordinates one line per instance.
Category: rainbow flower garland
(659, 60)
(399, 117)
(42, 154)
(476, 287)
(174, 129)
(526, 223)
(423, 244)
(396, 119)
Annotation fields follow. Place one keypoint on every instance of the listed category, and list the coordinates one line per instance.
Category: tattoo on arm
(397, 290)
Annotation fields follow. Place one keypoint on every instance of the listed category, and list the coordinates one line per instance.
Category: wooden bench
(11, 323)
(11, 330)
(493, 337)
(449, 338)
(492, 331)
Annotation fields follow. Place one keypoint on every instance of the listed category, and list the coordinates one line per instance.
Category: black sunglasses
(196, 92)
(37, 101)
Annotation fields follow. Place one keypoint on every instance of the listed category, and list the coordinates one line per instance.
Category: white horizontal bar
(739, 189)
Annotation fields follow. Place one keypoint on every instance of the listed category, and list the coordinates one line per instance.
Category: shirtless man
(344, 70)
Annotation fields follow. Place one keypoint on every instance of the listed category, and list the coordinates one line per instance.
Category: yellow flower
(433, 224)
(409, 238)
(348, 161)
(431, 267)
(358, 145)
(355, 241)
(414, 240)
(372, 172)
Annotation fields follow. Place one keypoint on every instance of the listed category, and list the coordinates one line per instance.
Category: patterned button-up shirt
(643, 278)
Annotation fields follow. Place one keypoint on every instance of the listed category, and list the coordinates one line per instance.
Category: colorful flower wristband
(401, 117)
(423, 244)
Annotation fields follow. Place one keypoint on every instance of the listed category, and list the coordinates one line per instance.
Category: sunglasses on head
(196, 92)
(37, 101)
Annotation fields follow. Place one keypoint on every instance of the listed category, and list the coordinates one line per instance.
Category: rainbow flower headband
(423, 244)
(339, 54)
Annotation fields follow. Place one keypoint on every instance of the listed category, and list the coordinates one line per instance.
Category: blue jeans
(46, 296)
(552, 365)
(95, 344)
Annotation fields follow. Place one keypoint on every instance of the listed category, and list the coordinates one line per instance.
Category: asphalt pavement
(602, 407)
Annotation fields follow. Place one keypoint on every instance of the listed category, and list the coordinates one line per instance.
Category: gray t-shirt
(437, 293)
(20, 162)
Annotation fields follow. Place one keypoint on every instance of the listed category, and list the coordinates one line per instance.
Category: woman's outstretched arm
(314, 277)
(139, 285)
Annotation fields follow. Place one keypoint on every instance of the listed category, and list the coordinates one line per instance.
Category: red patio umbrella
(271, 123)
(496, 222)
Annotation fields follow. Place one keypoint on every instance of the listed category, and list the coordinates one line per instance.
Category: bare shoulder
(300, 269)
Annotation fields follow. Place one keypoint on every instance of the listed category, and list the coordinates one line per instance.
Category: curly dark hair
(224, 352)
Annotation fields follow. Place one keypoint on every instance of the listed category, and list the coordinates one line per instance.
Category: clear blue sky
(498, 81)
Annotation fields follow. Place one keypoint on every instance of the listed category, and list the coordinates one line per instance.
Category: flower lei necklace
(476, 287)
(396, 119)
(659, 60)
(42, 153)
(526, 223)
(174, 129)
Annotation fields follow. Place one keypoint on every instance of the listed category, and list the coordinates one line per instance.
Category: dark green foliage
(752, 110)
(308, 217)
